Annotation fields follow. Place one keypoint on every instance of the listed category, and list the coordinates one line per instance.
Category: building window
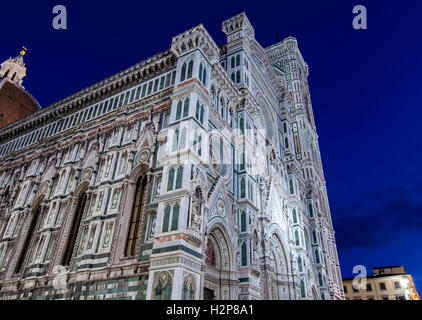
(183, 72)
(294, 215)
(299, 264)
(74, 229)
(243, 221)
(136, 217)
(368, 287)
(291, 187)
(162, 290)
(345, 289)
(244, 254)
(397, 284)
(297, 237)
(302, 289)
(382, 286)
(311, 211)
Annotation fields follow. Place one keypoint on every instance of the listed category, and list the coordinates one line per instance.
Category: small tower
(14, 69)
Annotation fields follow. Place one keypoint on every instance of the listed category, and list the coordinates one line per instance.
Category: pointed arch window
(243, 221)
(302, 289)
(311, 211)
(170, 180)
(183, 72)
(190, 69)
(175, 140)
(179, 110)
(136, 217)
(80, 209)
(186, 108)
(299, 264)
(175, 217)
(166, 218)
(237, 76)
(242, 187)
(29, 235)
(294, 215)
(179, 178)
(244, 254)
(291, 187)
(297, 237)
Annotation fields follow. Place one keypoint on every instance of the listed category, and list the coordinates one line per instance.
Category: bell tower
(14, 69)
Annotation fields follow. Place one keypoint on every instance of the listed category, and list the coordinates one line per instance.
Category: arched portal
(278, 288)
(219, 265)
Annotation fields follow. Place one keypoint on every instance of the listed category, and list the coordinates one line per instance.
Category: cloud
(380, 217)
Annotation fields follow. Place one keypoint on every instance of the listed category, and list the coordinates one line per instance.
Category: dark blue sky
(365, 88)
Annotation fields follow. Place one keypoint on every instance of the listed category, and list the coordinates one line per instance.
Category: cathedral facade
(194, 174)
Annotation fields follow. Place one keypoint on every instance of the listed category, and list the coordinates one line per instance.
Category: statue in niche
(210, 254)
(196, 209)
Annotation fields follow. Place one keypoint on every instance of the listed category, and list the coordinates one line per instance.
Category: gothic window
(190, 68)
(29, 235)
(162, 290)
(311, 211)
(179, 178)
(179, 139)
(170, 180)
(292, 191)
(297, 237)
(317, 260)
(302, 289)
(175, 140)
(314, 237)
(197, 141)
(232, 76)
(183, 72)
(237, 76)
(136, 217)
(242, 187)
(166, 218)
(243, 221)
(294, 215)
(286, 143)
(175, 217)
(244, 254)
(74, 229)
(171, 217)
(242, 126)
(186, 108)
(299, 264)
(321, 282)
(237, 60)
(233, 62)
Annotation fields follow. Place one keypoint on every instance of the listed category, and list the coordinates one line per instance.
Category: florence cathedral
(194, 174)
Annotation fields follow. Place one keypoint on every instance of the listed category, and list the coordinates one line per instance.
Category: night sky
(365, 87)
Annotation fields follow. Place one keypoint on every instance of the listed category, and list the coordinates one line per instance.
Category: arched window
(242, 187)
(311, 211)
(175, 217)
(237, 76)
(136, 216)
(237, 60)
(14, 76)
(294, 215)
(186, 108)
(242, 126)
(29, 235)
(166, 219)
(200, 72)
(299, 264)
(179, 110)
(162, 290)
(158, 291)
(179, 177)
(183, 72)
(321, 282)
(233, 62)
(243, 221)
(314, 237)
(74, 229)
(197, 111)
(184, 291)
(204, 77)
(232, 76)
(244, 254)
(170, 180)
(297, 237)
(190, 68)
(175, 145)
(182, 139)
(292, 191)
(302, 289)
(191, 294)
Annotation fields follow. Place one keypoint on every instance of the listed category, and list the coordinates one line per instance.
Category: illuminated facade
(194, 174)
(387, 283)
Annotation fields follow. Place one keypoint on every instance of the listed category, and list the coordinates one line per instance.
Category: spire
(14, 69)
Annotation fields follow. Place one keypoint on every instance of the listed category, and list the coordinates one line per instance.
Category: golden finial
(23, 51)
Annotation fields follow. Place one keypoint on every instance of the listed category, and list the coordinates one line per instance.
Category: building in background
(194, 174)
(15, 102)
(386, 283)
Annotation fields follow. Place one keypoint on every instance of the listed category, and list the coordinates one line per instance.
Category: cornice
(141, 71)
